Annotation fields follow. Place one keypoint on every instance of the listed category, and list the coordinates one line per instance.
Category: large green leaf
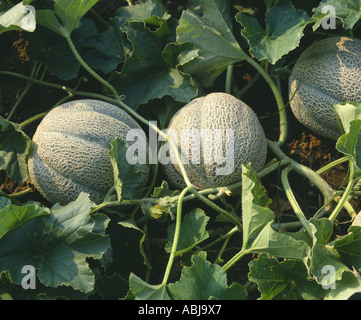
(192, 231)
(14, 150)
(203, 281)
(146, 75)
(66, 16)
(12, 216)
(349, 11)
(57, 246)
(207, 24)
(286, 25)
(286, 280)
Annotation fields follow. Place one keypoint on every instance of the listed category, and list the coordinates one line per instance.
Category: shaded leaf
(349, 247)
(146, 75)
(14, 150)
(57, 245)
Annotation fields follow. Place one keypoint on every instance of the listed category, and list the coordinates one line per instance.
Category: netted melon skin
(69, 150)
(326, 73)
(214, 112)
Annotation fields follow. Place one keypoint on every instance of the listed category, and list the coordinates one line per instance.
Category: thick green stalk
(229, 75)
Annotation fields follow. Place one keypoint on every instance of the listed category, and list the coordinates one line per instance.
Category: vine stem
(290, 196)
(346, 193)
(278, 97)
(176, 235)
(228, 88)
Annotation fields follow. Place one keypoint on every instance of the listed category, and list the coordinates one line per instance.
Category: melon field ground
(282, 237)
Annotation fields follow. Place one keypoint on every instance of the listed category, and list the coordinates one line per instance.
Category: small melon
(327, 73)
(69, 151)
(220, 133)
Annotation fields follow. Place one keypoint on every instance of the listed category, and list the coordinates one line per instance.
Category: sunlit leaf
(203, 281)
(286, 25)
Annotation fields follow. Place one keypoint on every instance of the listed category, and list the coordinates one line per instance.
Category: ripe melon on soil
(216, 112)
(327, 73)
(70, 150)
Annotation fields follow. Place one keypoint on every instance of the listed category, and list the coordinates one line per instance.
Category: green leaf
(346, 287)
(57, 245)
(53, 51)
(350, 142)
(14, 150)
(207, 25)
(151, 12)
(192, 232)
(203, 281)
(146, 291)
(48, 19)
(108, 50)
(349, 247)
(71, 11)
(126, 177)
(257, 220)
(130, 224)
(255, 214)
(283, 280)
(348, 112)
(18, 17)
(347, 10)
(322, 257)
(12, 216)
(146, 75)
(286, 25)
(278, 244)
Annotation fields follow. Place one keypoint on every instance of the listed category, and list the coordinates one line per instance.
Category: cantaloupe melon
(212, 116)
(69, 150)
(326, 73)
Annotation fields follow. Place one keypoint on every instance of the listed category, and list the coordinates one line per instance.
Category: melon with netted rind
(207, 126)
(69, 152)
(327, 73)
